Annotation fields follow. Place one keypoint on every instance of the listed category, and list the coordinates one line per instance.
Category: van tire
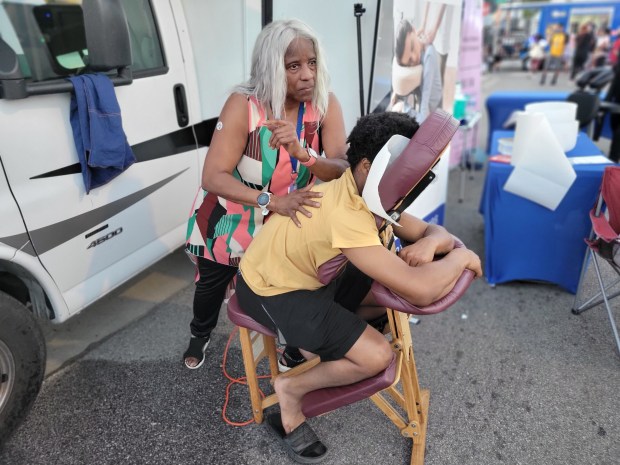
(22, 363)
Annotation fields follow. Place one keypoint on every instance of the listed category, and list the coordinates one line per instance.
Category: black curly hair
(373, 131)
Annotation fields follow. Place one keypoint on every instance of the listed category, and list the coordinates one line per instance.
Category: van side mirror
(12, 83)
(102, 43)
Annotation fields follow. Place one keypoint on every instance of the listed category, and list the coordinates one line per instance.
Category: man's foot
(194, 356)
(302, 444)
(290, 358)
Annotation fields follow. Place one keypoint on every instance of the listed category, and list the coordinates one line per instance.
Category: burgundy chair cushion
(327, 399)
(418, 157)
(392, 300)
(386, 297)
(329, 270)
(238, 317)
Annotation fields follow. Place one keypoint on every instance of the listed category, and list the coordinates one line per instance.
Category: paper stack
(542, 172)
(562, 117)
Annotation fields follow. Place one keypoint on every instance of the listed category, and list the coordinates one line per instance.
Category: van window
(50, 42)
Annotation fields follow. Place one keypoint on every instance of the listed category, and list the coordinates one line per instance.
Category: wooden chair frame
(404, 403)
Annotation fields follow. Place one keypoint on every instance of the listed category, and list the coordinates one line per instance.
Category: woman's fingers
(311, 203)
(293, 216)
(307, 198)
(303, 211)
(296, 202)
(282, 134)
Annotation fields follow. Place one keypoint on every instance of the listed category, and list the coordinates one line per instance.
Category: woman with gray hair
(263, 160)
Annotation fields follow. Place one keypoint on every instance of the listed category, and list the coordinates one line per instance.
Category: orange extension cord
(233, 381)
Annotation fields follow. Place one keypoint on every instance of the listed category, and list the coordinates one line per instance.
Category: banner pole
(358, 11)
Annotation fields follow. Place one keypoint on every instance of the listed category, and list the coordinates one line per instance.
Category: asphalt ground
(515, 378)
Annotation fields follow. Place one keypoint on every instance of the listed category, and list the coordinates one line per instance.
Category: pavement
(515, 378)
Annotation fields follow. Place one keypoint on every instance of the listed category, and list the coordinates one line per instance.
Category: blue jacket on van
(102, 146)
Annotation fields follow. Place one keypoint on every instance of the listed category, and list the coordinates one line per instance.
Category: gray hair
(268, 75)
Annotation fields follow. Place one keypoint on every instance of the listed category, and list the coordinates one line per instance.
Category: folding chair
(396, 390)
(588, 104)
(604, 242)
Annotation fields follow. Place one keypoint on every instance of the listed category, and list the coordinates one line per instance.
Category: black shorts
(322, 321)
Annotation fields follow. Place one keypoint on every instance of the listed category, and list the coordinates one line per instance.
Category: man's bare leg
(370, 354)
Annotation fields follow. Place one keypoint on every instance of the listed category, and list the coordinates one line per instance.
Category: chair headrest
(407, 170)
(408, 165)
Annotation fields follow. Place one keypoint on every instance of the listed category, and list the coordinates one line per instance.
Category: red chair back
(610, 190)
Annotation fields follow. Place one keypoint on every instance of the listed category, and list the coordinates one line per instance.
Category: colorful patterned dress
(221, 230)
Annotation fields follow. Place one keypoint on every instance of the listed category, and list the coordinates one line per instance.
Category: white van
(173, 63)
(61, 249)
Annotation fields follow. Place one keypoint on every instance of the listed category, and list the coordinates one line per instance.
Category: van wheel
(22, 363)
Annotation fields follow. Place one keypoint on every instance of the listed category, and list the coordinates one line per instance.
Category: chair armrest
(390, 299)
(602, 228)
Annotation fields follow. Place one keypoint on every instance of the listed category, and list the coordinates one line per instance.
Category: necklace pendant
(293, 175)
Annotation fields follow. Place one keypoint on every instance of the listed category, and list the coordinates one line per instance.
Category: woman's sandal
(302, 444)
(197, 348)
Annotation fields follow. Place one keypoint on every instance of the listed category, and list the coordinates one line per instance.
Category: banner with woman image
(415, 72)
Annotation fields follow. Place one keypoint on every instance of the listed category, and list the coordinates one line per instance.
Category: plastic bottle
(460, 103)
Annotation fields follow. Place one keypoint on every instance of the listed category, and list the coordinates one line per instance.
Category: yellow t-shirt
(284, 258)
(558, 40)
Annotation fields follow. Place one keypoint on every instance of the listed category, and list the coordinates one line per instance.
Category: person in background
(262, 162)
(584, 42)
(614, 53)
(569, 51)
(602, 47)
(613, 95)
(554, 61)
(537, 53)
(495, 57)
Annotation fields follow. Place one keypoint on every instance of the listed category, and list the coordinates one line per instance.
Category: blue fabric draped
(102, 146)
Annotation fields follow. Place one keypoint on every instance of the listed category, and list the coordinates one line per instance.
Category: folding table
(526, 241)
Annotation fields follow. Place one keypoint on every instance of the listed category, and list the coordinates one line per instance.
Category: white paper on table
(511, 120)
(591, 160)
(542, 172)
(392, 149)
(522, 139)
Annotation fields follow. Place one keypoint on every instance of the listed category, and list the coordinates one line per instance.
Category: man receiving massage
(278, 285)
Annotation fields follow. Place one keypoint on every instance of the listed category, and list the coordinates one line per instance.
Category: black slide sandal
(302, 444)
(197, 348)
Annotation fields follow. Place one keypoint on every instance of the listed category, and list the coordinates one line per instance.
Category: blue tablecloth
(500, 106)
(526, 241)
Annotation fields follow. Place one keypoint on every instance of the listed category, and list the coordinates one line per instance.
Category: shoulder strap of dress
(256, 113)
(310, 113)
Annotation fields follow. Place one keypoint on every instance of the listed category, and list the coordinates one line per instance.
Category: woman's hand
(426, 37)
(294, 202)
(284, 134)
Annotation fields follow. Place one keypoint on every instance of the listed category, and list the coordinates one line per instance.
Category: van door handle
(180, 102)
